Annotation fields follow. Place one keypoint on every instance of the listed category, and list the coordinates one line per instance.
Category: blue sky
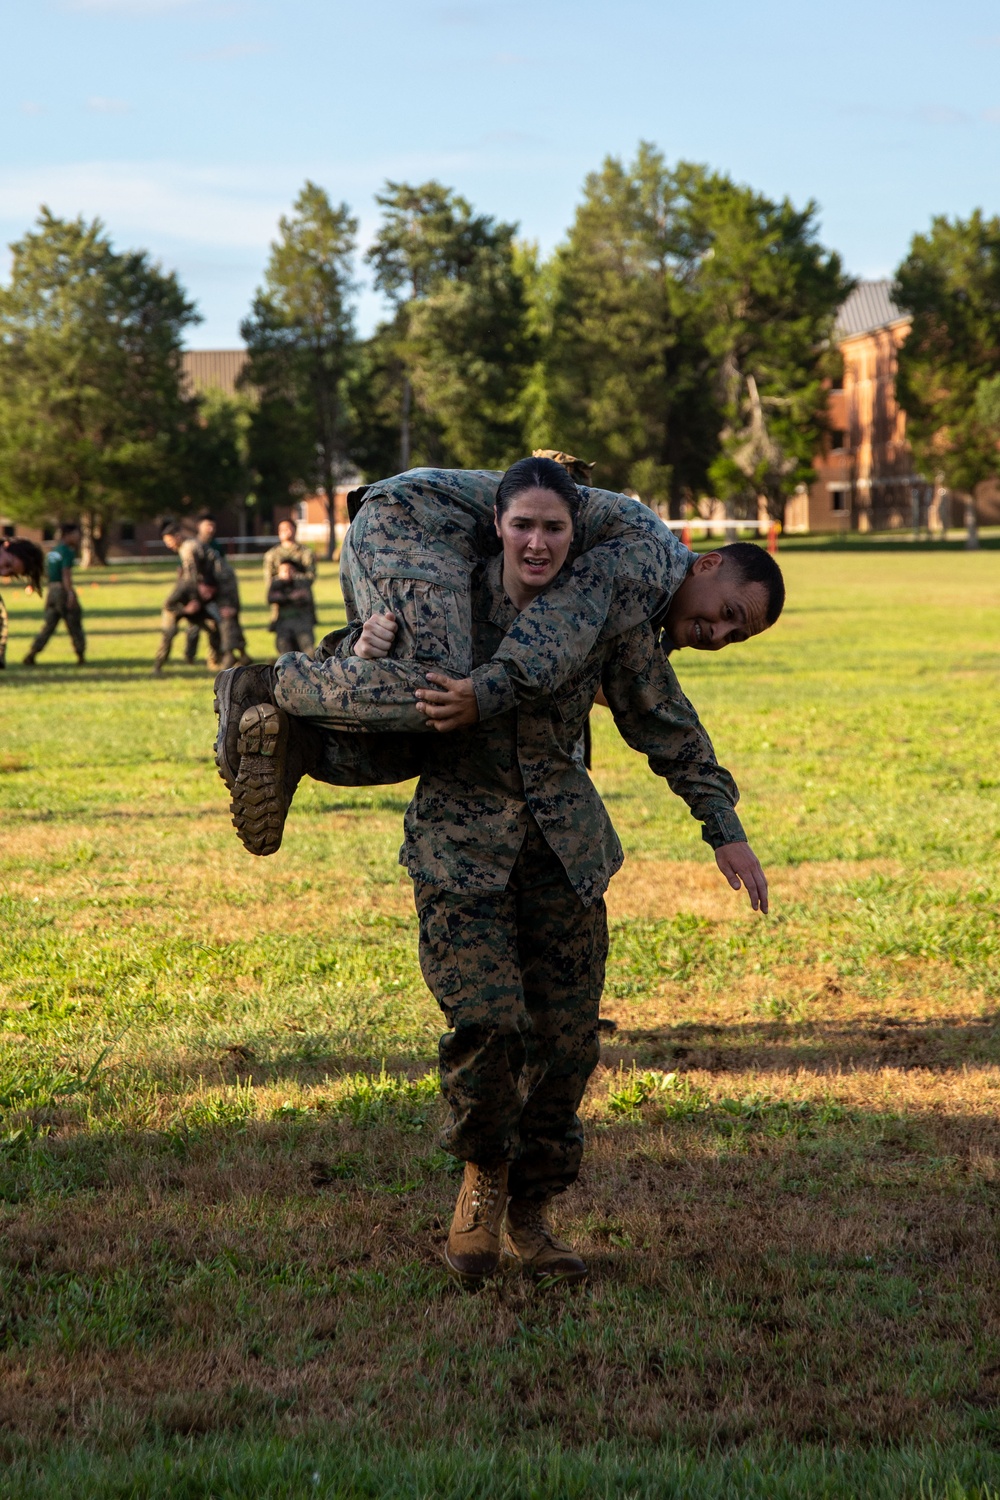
(189, 125)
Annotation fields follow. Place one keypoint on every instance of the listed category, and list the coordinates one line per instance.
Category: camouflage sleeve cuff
(494, 694)
(722, 826)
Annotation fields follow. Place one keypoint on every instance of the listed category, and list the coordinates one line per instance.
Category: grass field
(221, 1198)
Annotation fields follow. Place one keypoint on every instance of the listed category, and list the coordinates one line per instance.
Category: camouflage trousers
(386, 565)
(518, 974)
(172, 620)
(293, 633)
(58, 608)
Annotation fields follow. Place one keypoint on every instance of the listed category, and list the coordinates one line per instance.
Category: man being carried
(410, 553)
(61, 600)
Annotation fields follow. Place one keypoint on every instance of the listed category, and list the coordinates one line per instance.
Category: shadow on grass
(817, 1046)
(827, 1282)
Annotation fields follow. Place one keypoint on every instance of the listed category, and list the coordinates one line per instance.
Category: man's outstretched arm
(654, 717)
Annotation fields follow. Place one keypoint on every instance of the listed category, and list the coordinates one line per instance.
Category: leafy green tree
(626, 375)
(300, 342)
(217, 460)
(458, 349)
(93, 421)
(949, 366)
(685, 319)
(768, 293)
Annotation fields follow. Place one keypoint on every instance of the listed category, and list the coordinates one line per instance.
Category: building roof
(212, 369)
(869, 306)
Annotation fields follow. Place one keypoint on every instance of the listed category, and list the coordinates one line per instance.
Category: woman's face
(11, 566)
(536, 530)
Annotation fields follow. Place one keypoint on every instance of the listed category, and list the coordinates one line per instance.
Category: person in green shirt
(61, 600)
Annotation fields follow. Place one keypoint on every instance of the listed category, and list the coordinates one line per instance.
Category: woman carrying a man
(511, 851)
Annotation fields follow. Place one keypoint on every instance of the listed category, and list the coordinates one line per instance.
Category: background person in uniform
(19, 559)
(191, 601)
(227, 595)
(61, 599)
(511, 851)
(290, 596)
(288, 550)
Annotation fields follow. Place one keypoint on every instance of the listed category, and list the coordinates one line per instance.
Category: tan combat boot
(530, 1242)
(473, 1248)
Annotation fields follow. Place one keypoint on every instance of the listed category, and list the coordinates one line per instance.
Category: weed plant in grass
(221, 1197)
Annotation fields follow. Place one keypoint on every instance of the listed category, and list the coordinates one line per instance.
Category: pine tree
(300, 342)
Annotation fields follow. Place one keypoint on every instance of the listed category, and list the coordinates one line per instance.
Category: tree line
(680, 337)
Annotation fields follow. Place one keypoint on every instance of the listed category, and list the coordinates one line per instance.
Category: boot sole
(258, 801)
(539, 1273)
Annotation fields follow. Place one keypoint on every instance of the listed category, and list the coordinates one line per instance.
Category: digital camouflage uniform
(304, 559)
(59, 604)
(412, 549)
(232, 639)
(511, 850)
(197, 564)
(293, 613)
(3, 633)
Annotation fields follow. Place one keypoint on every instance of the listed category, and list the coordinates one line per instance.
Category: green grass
(221, 1197)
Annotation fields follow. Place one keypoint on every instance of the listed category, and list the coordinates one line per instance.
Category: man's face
(206, 530)
(286, 572)
(11, 565)
(286, 531)
(171, 541)
(715, 606)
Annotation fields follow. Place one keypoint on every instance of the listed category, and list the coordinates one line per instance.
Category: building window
(8, 530)
(128, 531)
(838, 500)
(838, 440)
(48, 533)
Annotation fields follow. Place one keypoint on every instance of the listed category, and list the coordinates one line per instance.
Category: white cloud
(150, 202)
(99, 105)
(32, 107)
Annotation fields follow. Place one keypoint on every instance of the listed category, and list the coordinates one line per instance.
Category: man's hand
(741, 866)
(377, 636)
(450, 705)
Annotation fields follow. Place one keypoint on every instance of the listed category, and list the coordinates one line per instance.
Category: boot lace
(485, 1193)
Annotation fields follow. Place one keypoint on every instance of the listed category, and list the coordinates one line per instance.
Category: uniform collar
(493, 602)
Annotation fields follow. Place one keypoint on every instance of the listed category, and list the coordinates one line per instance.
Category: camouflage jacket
(305, 557)
(623, 568)
(478, 787)
(200, 563)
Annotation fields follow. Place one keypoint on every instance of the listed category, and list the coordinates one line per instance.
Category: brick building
(866, 479)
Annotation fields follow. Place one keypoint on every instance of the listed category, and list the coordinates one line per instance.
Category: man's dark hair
(754, 565)
(205, 515)
(67, 527)
(538, 473)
